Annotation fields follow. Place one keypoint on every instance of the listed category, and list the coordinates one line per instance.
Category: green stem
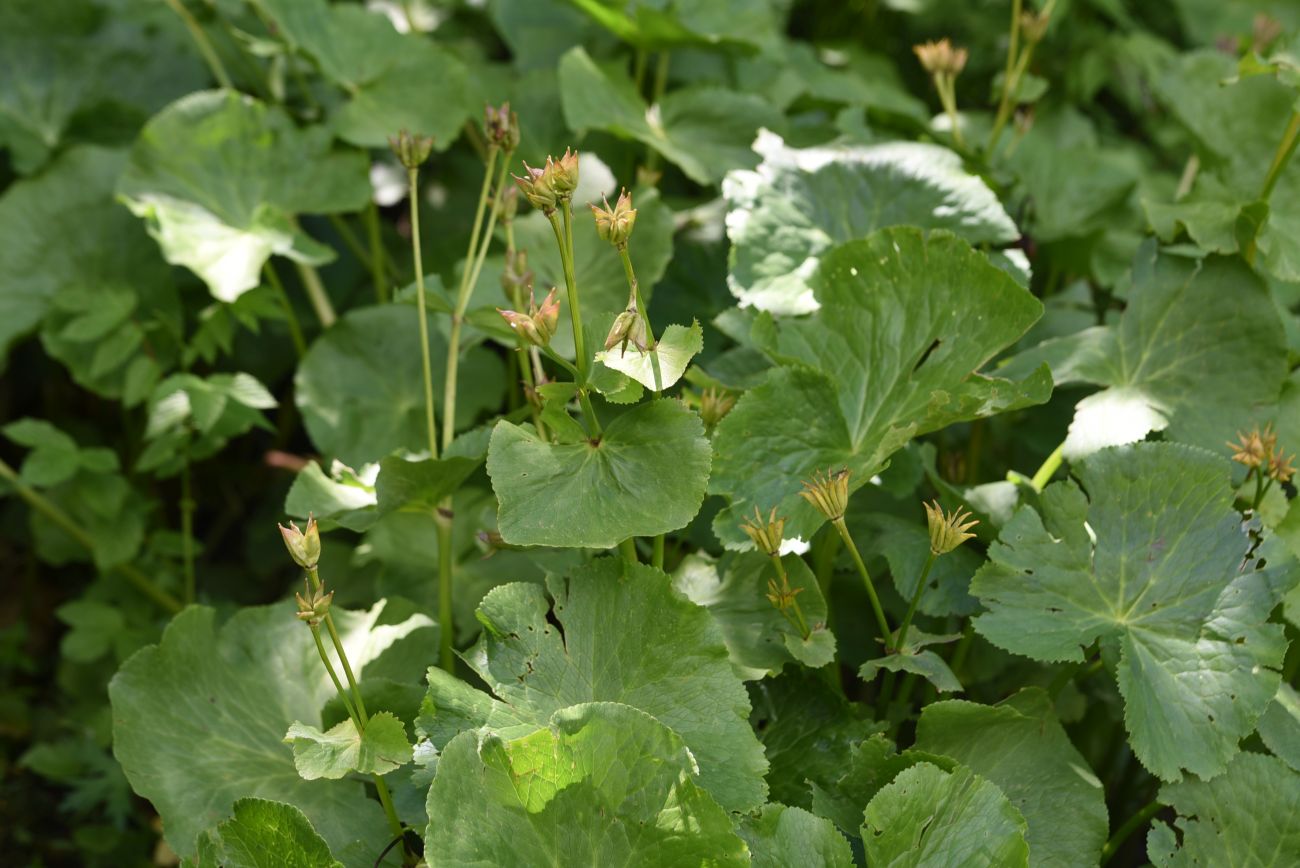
(946, 85)
(201, 40)
(1044, 473)
(562, 233)
(799, 621)
(334, 676)
(1284, 151)
(469, 278)
(350, 239)
(362, 715)
(187, 530)
(65, 522)
(638, 69)
(1259, 489)
(1131, 825)
(866, 579)
(562, 362)
(431, 428)
(386, 799)
(378, 269)
(916, 599)
(627, 548)
(657, 558)
(446, 628)
(962, 651)
(634, 291)
(320, 300)
(290, 318)
(1004, 102)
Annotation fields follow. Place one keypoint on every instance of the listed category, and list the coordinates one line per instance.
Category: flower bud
(828, 493)
(538, 188)
(615, 224)
(313, 605)
(766, 533)
(947, 530)
(564, 174)
(411, 150)
(628, 328)
(303, 546)
(501, 126)
(547, 317)
(940, 58)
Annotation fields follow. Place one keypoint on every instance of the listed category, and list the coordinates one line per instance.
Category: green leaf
(799, 203)
(741, 24)
(1279, 728)
(645, 476)
(780, 836)
(199, 720)
(1237, 128)
(94, 629)
(927, 664)
(63, 62)
(760, 640)
(672, 352)
(1245, 816)
(380, 749)
(808, 732)
(54, 457)
(927, 816)
(872, 764)
(420, 486)
(341, 497)
(1170, 363)
(265, 834)
(385, 74)
(597, 784)
(668, 661)
(62, 232)
(360, 387)
(1019, 746)
(704, 131)
(905, 323)
(906, 546)
(1150, 560)
(220, 178)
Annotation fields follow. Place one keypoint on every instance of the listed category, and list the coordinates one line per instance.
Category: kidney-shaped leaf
(905, 323)
(781, 836)
(644, 476)
(927, 816)
(219, 178)
(1149, 558)
(199, 720)
(265, 834)
(798, 203)
(1020, 746)
(596, 784)
(627, 637)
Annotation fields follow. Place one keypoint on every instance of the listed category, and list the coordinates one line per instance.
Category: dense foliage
(892, 465)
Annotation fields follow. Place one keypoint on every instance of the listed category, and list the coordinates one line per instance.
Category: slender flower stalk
(944, 63)
(314, 607)
(828, 492)
(1033, 27)
(412, 151)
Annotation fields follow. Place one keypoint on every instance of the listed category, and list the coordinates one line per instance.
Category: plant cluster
(744, 432)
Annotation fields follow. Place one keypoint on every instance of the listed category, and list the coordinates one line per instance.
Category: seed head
(714, 404)
(628, 328)
(303, 546)
(766, 533)
(313, 604)
(411, 150)
(615, 224)
(940, 58)
(828, 492)
(947, 530)
(564, 173)
(501, 126)
(782, 596)
(1255, 449)
(1280, 467)
(538, 325)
